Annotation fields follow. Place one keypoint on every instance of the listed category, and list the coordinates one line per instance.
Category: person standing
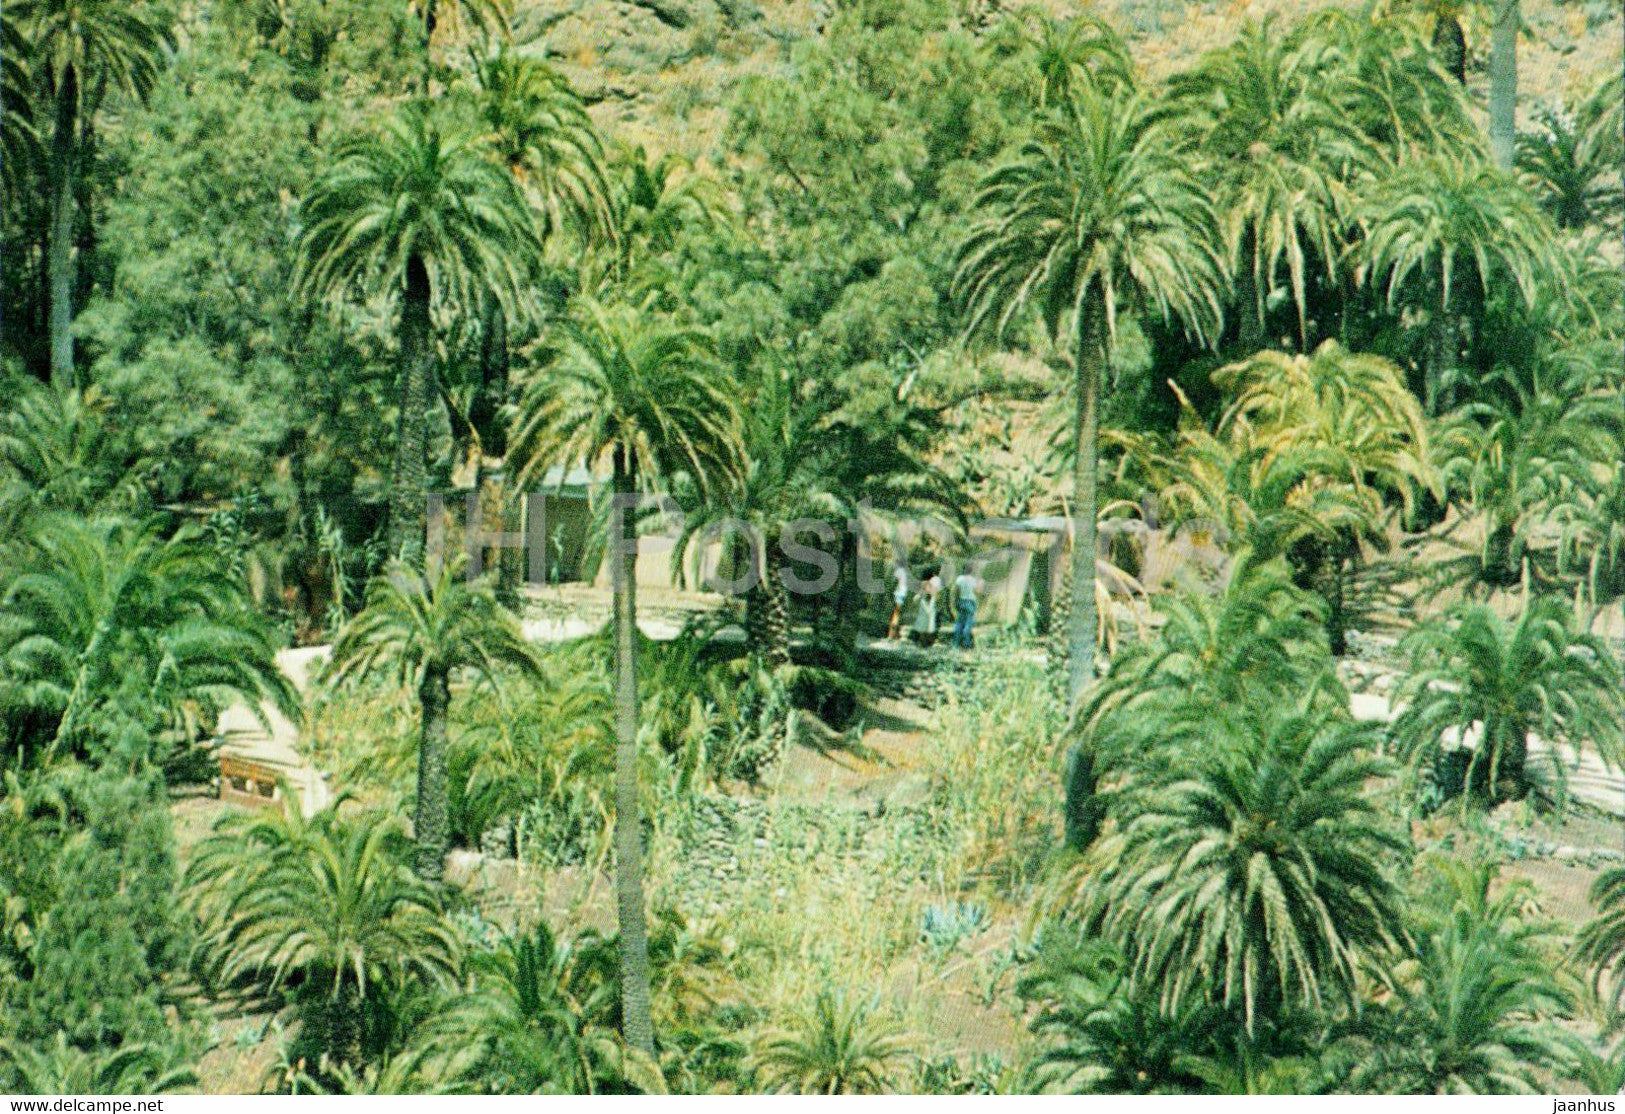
(925, 615)
(899, 596)
(966, 585)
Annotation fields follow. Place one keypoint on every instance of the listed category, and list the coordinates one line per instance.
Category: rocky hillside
(660, 71)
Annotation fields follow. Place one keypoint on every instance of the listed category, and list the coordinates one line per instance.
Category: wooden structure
(245, 782)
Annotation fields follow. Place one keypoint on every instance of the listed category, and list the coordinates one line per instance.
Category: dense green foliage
(1332, 379)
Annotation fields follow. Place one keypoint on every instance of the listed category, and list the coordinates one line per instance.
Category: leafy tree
(644, 393)
(838, 1046)
(83, 50)
(1255, 873)
(90, 886)
(1492, 683)
(416, 632)
(115, 641)
(417, 212)
(1093, 217)
(326, 907)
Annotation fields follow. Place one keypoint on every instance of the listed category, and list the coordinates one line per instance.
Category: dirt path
(271, 739)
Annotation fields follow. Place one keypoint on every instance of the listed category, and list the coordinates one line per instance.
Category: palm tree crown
(415, 631)
(1094, 216)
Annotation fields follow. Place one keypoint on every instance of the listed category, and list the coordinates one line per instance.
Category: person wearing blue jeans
(966, 585)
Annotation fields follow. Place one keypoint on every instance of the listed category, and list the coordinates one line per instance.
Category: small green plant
(944, 927)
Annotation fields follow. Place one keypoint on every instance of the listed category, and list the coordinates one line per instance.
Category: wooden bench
(247, 782)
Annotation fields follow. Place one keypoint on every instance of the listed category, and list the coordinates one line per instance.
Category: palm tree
(484, 17)
(1522, 461)
(1093, 217)
(1470, 1014)
(837, 1047)
(1265, 492)
(1064, 52)
(540, 1016)
(415, 632)
(1574, 161)
(1254, 871)
(653, 201)
(1439, 224)
(539, 130)
(788, 476)
(1601, 943)
(82, 49)
(326, 906)
(1102, 1034)
(63, 1069)
(1355, 415)
(1480, 676)
(1390, 83)
(58, 451)
(19, 142)
(1260, 642)
(1259, 112)
(1504, 82)
(1356, 406)
(644, 393)
(1449, 41)
(113, 640)
(419, 213)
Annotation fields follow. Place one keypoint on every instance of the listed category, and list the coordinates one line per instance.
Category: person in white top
(966, 585)
(899, 596)
(925, 614)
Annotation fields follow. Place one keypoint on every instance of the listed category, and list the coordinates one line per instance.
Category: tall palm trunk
(1082, 621)
(1504, 82)
(431, 826)
(60, 241)
(484, 411)
(1249, 310)
(767, 614)
(485, 416)
(1450, 46)
(636, 1025)
(406, 507)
